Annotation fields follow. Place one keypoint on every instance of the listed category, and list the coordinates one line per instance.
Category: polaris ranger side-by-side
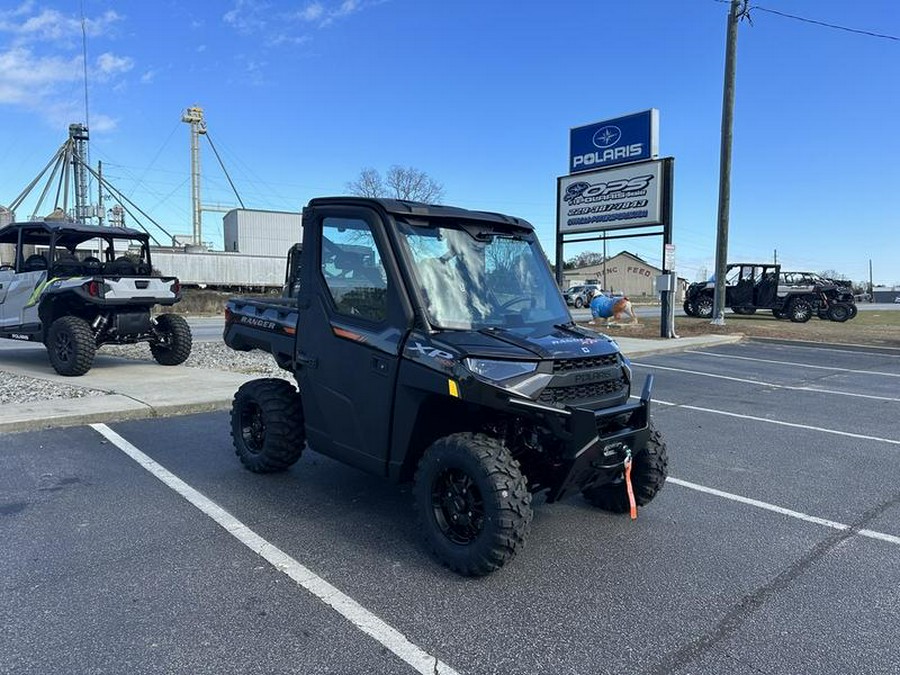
(76, 287)
(432, 344)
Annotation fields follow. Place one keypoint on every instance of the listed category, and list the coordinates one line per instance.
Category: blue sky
(300, 96)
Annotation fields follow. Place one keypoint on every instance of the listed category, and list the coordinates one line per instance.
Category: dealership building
(624, 273)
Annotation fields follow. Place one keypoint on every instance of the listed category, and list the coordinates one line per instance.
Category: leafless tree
(585, 259)
(367, 184)
(400, 182)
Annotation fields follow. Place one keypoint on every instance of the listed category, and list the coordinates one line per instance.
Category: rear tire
(854, 310)
(648, 475)
(688, 308)
(71, 346)
(174, 342)
(267, 425)
(579, 303)
(472, 503)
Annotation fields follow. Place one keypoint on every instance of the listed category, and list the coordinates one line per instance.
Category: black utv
(431, 344)
(797, 296)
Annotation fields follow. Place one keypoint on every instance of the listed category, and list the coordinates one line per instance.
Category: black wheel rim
(64, 347)
(840, 313)
(458, 506)
(704, 307)
(253, 428)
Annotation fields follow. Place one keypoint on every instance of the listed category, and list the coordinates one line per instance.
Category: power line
(815, 22)
(827, 25)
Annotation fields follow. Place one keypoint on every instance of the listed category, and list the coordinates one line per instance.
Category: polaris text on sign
(624, 139)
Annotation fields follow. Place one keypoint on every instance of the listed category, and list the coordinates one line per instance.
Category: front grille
(582, 392)
(568, 365)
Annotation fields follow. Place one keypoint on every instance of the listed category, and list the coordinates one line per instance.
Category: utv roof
(399, 207)
(70, 226)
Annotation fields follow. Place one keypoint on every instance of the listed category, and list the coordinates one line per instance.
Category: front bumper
(596, 453)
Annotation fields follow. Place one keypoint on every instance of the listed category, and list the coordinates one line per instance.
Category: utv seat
(34, 263)
(66, 265)
(123, 266)
(92, 265)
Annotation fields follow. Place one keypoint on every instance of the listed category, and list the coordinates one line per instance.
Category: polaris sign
(625, 139)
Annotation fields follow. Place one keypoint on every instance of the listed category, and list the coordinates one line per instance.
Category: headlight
(499, 370)
(626, 366)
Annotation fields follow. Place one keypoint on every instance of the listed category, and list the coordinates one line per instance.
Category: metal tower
(78, 137)
(194, 117)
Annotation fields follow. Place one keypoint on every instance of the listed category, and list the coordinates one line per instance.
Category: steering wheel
(516, 300)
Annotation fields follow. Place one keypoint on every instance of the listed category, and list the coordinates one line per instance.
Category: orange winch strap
(631, 502)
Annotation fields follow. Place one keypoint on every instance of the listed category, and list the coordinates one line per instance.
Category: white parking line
(778, 422)
(792, 363)
(766, 384)
(359, 616)
(871, 534)
(866, 350)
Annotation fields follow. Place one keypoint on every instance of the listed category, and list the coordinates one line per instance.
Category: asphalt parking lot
(774, 548)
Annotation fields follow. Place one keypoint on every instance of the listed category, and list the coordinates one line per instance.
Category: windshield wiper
(571, 327)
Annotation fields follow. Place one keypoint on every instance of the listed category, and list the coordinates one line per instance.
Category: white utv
(76, 287)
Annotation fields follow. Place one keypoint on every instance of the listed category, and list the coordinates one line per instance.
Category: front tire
(472, 503)
(703, 307)
(174, 341)
(800, 311)
(71, 346)
(648, 475)
(579, 303)
(839, 312)
(267, 425)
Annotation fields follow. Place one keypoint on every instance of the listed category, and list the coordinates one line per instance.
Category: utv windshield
(472, 277)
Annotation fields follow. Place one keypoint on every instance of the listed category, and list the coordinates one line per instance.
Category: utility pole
(738, 9)
(776, 257)
(871, 285)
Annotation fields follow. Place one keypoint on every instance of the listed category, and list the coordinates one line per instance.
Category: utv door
(353, 317)
(18, 308)
(741, 294)
(767, 287)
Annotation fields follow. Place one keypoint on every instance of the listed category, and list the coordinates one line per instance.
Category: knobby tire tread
(503, 536)
(648, 475)
(282, 411)
(83, 339)
(180, 340)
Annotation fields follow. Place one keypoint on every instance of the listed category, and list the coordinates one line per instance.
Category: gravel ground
(18, 389)
(214, 355)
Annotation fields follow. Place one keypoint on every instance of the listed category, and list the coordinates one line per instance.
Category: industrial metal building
(265, 233)
(624, 273)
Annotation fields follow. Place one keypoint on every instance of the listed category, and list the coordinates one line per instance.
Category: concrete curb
(677, 345)
(111, 408)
